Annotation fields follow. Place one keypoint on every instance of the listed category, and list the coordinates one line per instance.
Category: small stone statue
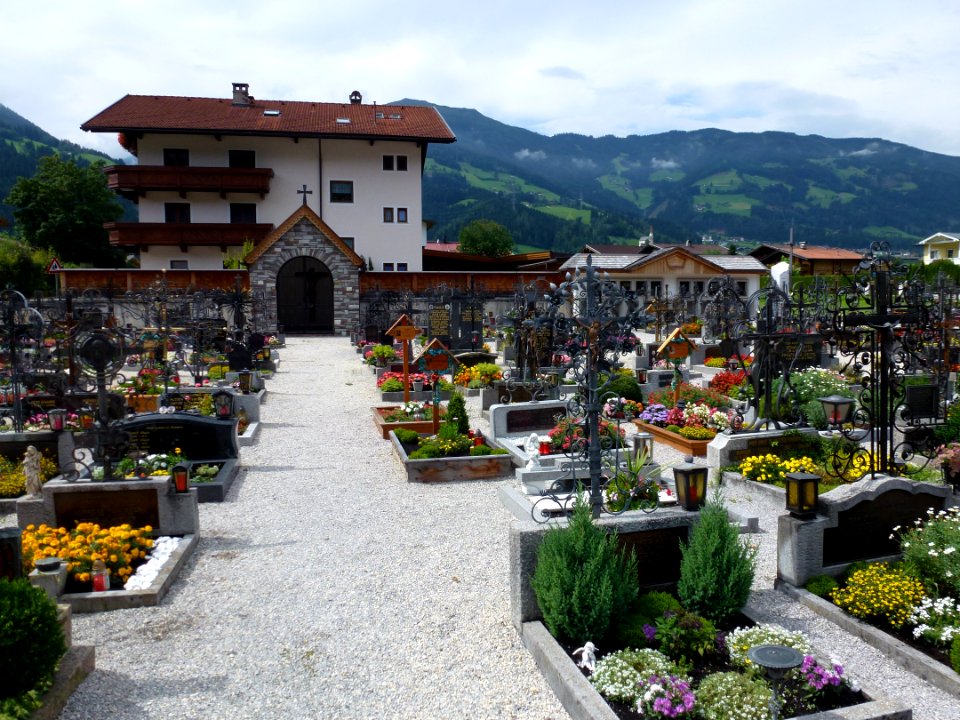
(588, 656)
(532, 448)
(31, 470)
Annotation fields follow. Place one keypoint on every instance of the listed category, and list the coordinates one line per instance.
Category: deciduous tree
(63, 207)
(485, 237)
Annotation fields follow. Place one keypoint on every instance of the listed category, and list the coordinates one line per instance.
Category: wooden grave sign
(403, 330)
(435, 359)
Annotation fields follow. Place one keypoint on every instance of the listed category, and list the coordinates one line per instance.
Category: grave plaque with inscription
(537, 419)
(804, 352)
(107, 508)
(657, 552)
(438, 323)
(198, 437)
(863, 531)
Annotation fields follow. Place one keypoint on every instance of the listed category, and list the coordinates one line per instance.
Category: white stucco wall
(313, 163)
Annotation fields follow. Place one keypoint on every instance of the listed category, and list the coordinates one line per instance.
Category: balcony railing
(186, 234)
(139, 179)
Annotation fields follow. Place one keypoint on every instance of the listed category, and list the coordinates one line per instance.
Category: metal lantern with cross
(223, 405)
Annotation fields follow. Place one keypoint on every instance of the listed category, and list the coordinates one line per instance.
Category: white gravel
(328, 587)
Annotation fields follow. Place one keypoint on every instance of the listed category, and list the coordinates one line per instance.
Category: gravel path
(328, 587)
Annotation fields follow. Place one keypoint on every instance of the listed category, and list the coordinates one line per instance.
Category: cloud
(526, 154)
(584, 164)
(658, 164)
(561, 71)
(870, 149)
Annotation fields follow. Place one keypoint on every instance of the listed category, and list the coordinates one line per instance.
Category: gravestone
(239, 358)
(854, 523)
(439, 323)
(11, 562)
(201, 440)
(465, 319)
(803, 351)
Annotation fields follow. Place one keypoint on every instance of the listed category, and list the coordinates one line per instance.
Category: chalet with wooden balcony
(316, 191)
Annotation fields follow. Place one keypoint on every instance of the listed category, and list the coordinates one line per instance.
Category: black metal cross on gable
(304, 192)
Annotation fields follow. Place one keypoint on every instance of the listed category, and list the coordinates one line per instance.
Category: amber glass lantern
(691, 482)
(803, 491)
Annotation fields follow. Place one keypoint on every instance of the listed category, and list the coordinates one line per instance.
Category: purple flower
(649, 632)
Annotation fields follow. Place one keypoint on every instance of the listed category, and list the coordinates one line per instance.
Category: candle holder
(57, 419)
(775, 661)
(181, 478)
(691, 483)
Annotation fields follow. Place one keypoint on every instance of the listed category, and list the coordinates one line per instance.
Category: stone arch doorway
(305, 296)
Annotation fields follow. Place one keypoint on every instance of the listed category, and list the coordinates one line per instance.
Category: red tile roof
(818, 252)
(151, 113)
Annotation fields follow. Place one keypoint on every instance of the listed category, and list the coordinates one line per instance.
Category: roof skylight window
(343, 121)
(271, 113)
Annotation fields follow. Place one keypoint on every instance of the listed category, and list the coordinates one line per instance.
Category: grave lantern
(246, 377)
(181, 475)
(774, 662)
(837, 409)
(223, 404)
(87, 417)
(803, 490)
(57, 418)
(643, 445)
(733, 364)
(691, 482)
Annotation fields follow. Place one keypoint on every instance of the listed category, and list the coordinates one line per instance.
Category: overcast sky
(838, 68)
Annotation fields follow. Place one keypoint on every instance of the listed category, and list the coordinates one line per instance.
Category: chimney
(803, 245)
(241, 96)
(355, 97)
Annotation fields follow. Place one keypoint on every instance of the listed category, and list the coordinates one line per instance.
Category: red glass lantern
(57, 418)
(545, 448)
(181, 478)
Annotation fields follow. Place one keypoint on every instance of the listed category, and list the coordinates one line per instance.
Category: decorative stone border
(446, 469)
(78, 662)
(583, 702)
(91, 602)
(908, 658)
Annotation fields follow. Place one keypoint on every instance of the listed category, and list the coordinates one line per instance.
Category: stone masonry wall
(305, 239)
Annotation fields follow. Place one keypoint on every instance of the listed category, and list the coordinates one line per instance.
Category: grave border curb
(73, 668)
(902, 654)
(583, 702)
(92, 602)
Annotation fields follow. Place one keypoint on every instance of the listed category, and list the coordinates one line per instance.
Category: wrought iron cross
(304, 192)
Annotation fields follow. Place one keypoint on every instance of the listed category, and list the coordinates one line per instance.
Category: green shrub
(632, 630)
(955, 654)
(383, 353)
(728, 695)
(217, 372)
(426, 451)
(821, 585)
(625, 386)
(583, 582)
(457, 409)
(716, 569)
(407, 436)
(478, 450)
(673, 429)
(391, 385)
(685, 637)
(31, 639)
(652, 605)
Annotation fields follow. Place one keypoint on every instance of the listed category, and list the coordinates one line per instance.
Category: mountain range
(564, 191)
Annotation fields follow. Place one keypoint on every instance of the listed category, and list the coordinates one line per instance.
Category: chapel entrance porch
(305, 296)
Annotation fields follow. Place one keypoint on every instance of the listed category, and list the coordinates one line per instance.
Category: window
(395, 162)
(401, 215)
(179, 265)
(934, 254)
(176, 157)
(625, 284)
(949, 253)
(243, 213)
(174, 212)
(242, 158)
(401, 267)
(388, 215)
(348, 241)
(341, 191)
(656, 288)
(388, 267)
(641, 286)
(742, 288)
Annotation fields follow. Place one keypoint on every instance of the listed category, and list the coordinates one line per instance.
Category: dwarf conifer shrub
(31, 639)
(716, 569)
(583, 581)
(955, 653)
(457, 408)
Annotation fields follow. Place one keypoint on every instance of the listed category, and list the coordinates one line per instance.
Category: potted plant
(949, 458)
(382, 354)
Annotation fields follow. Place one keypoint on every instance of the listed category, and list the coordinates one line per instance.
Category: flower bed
(452, 468)
(675, 440)
(381, 415)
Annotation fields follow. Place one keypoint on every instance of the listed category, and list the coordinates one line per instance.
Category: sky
(885, 69)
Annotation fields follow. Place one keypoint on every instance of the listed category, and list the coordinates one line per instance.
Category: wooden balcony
(137, 180)
(186, 234)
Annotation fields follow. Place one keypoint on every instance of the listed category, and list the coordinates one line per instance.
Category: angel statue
(588, 656)
(31, 471)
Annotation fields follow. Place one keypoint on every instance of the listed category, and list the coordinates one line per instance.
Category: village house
(320, 190)
(941, 246)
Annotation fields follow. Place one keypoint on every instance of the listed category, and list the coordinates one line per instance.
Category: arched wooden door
(305, 296)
